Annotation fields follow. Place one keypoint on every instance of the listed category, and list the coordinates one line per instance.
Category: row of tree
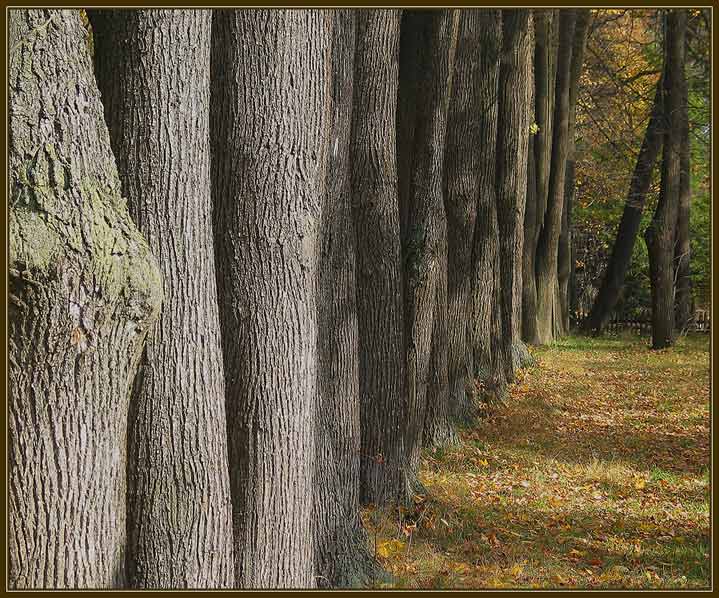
(257, 260)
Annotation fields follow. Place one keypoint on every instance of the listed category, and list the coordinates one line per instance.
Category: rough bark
(438, 422)
(512, 154)
(426, 255)
(613, 281)
(153, 70)
(485, 326)
(341, 547)
(661, 232)
(548, 244)
(564, 255)
(384, 477)
(270, 133)
(682, 246)
(461, 190)
(83, 292)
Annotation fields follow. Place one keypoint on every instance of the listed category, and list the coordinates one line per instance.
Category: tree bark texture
(661, 232)
(383, 398)
(485, 326)
(512, 154)
(426, 256)
(564, 255)
(153, 69)
(548, 244)
(271, 73)
(83, 292)
(342, 557)
(620, 259)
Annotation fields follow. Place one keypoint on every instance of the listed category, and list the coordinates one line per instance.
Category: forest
(358, 298)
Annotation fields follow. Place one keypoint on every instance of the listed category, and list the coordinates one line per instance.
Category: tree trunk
(613, 281)
(383, 399)
(270, 132)
(461, 190)
(485, 325)
(682, 246)
(661, 232)
(83, 292)
(548, 245)
(564, 267)
(342, 555)
(545, 71)
(157, 104)
(529, 285)
(512, 153)
(438, 422)
(426, 254)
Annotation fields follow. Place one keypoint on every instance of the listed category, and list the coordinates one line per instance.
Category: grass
(596, 475)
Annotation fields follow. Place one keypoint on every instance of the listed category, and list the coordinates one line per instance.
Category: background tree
(83, 292)
(157, 105)
(270, 132)
(682, 246)
(617, 92)
(629, 225)
(661, 233)
(564, 256)
(548, 244)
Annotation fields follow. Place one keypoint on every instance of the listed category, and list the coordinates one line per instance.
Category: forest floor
(595, 475)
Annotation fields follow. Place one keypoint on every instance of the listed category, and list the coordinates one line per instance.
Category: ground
(595, 475)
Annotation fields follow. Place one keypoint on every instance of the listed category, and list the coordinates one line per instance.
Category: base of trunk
(352, 565)
(521, 357)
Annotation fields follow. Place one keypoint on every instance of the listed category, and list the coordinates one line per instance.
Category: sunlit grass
(595, 475)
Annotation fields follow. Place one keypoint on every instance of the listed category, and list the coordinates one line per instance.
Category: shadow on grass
(586, 546)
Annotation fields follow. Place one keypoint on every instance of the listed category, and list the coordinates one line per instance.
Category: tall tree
(425, 259)
(661, 232)
(613, 281)
(461, 190)
(512, 152)
(545, 72)
(270, 131)
(84, 290)
(342, 556)
(548, 244)
(485, 325)
(564, 254)
(153, 70)
(384, 474)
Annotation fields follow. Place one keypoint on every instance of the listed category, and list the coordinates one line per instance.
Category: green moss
(48, 224)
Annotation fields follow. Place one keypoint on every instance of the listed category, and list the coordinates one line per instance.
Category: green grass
(596, 475)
